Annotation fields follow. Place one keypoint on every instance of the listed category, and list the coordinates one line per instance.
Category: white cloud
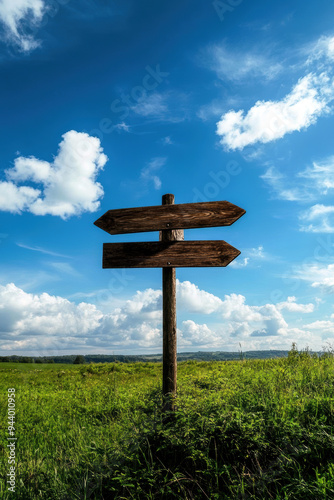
(43, 250)
(169, 107)
(257, 253)
(240, 65)
(239, 263)
(270, 120)
(122, 127)
(254, 321)
(240, 318)
(321, 51)
(29, 169)
(16, 199)
(23, 314)
(325, 326)
(64, 268)
(314, 181)
(43, 322)
(151, 105)
(15, 14)
(167, 141)
(69, 184)
(235, 309)
(291, 305)
(281, 186)
(147, 173)
(318, 219)
(192, 299)
(321, 175)
(318, 275)
(147, 302)
(257, 321)
(252, 255)
(193, 334)
(211, 110)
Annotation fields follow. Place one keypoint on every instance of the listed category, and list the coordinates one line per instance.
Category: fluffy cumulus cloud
(24, 314)
(195, 335)
(324, 330)
(326, 326)
(66, 187)
(192, 299)
(234, 318)
(291, 305)
(255, 321)
(15, 199)
(44, 323)
(270, 120)
(16, 15)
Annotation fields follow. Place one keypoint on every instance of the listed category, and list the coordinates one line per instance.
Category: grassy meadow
(248, 429)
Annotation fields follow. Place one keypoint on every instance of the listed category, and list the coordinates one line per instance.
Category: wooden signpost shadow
(169, 252)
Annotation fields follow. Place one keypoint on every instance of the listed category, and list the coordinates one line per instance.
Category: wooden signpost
(170, 252)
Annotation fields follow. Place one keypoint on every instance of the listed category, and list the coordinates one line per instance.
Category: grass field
(259, 429)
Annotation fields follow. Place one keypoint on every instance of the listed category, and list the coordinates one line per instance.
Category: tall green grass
(260, 429)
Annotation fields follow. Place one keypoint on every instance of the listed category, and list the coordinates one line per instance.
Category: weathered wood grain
(169, 356)
(168, 254)
(161, 217)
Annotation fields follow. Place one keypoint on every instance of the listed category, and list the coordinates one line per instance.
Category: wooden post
(169, 358)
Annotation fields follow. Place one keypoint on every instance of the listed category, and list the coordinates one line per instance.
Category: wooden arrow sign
(161, 217)
(168, 254)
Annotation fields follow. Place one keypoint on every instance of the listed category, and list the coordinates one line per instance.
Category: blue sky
(110, 105)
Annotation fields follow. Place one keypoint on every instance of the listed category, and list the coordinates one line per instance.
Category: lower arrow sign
(168, 254)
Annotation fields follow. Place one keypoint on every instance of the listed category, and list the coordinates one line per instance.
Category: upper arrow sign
(160, 217)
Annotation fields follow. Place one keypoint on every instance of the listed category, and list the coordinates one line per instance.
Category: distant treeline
(26, 359)
(108, 358)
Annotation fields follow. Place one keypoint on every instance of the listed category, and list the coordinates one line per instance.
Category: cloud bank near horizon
(47, 324)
